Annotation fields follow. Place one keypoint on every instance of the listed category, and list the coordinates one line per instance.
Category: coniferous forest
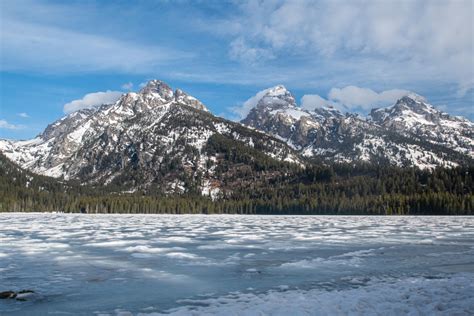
(360, 189)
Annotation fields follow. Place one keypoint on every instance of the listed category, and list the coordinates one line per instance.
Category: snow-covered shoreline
(410, 296)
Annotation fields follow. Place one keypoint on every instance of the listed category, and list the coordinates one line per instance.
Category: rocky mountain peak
(415, 103)
(161, 92)
(326, 112)
(277, 91)
(276, 97)
(158, 87)
(182, 97)
(411, 105)
(415, 97)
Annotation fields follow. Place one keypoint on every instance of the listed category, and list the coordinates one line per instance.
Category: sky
(60, 56)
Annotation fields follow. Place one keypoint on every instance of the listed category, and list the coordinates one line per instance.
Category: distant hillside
(340, 189)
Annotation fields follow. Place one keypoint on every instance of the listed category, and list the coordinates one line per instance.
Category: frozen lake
(237, 265)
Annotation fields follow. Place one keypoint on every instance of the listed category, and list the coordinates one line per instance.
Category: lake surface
(237, 265)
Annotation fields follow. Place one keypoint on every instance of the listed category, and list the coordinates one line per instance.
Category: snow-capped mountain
(154, 137)
(277, 113)
(166, 140)
(413, 116)
(409, 133)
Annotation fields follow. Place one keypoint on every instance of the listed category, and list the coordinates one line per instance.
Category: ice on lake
(237, 265)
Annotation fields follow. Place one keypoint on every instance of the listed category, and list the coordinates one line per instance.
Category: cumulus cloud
(352, 96)
(23, 115)
(4, 124)
(347, 99)
(241, 111)
(429, 34)
(239, 50)
(127, 86)
(312, 101)
(92, 100)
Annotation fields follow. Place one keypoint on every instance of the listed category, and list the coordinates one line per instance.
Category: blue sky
(354, 54)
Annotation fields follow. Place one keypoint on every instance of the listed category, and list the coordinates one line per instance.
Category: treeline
(369, 190)
(338, 189)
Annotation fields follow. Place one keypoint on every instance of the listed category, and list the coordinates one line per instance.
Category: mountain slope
(410, 133)
(165, 141)
(156, 138)
(314, 190)
(413, 116)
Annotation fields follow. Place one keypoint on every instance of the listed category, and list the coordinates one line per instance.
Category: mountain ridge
(401, 134)
(154, 138)
(164, 139)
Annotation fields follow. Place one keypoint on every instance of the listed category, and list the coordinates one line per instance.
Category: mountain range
(409, 133)
(164, 139)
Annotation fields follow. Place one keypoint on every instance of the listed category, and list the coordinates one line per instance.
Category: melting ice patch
(245, 265)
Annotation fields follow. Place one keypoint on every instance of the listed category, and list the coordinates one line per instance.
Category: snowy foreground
(237, 265)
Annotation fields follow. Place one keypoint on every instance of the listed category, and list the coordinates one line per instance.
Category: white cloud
(92, 100)
(23, 115)
(4, 124)
(313, 101)
(355, 97)
(127, 86)
(46, 48)
(435, 36)
(239, 50)
(347, 99)
(241, 111)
